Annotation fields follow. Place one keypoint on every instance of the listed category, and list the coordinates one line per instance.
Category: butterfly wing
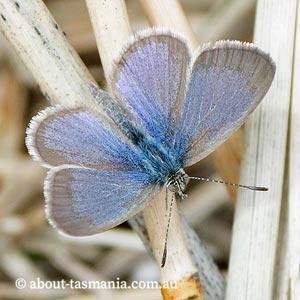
(76, 136)
(150, 78)
(228, 81)
(81, 201)
(96, 179)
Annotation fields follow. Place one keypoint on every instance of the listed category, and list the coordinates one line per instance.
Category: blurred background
(29, 246)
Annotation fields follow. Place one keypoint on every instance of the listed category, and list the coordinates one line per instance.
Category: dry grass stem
(257, 227)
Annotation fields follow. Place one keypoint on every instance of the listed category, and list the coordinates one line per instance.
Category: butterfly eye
(177, 182)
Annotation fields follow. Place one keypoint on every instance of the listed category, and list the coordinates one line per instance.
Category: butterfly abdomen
(157, 161)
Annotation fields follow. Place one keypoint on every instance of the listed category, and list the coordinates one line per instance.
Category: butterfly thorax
(177, 182)
(157, 160)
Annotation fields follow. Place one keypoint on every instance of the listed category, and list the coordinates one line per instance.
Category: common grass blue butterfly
(167, 110)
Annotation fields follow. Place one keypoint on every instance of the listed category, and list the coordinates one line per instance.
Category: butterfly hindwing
(77, 136)
(228, 81)
(150, 79)
(81, 201)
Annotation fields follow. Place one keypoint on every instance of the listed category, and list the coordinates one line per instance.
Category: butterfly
(166, 110)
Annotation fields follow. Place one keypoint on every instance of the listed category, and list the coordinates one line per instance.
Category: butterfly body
(166, 111)
(158, 161)
(177, 182)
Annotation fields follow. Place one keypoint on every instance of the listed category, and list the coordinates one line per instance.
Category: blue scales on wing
(79, 136)
(96, 179)
(82, 201)
(228, 81)
(149, 79)
(158, 160)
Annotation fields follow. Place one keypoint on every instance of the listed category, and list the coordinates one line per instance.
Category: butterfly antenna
(166, 200)
(164, 256)
(253, 188)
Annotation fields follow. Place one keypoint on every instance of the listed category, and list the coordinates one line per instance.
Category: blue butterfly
(167, 110)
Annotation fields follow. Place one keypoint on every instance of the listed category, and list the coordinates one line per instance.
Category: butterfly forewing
(228, 81)
(83, 201)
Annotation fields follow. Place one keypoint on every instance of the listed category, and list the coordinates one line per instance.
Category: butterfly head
(177, 182)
